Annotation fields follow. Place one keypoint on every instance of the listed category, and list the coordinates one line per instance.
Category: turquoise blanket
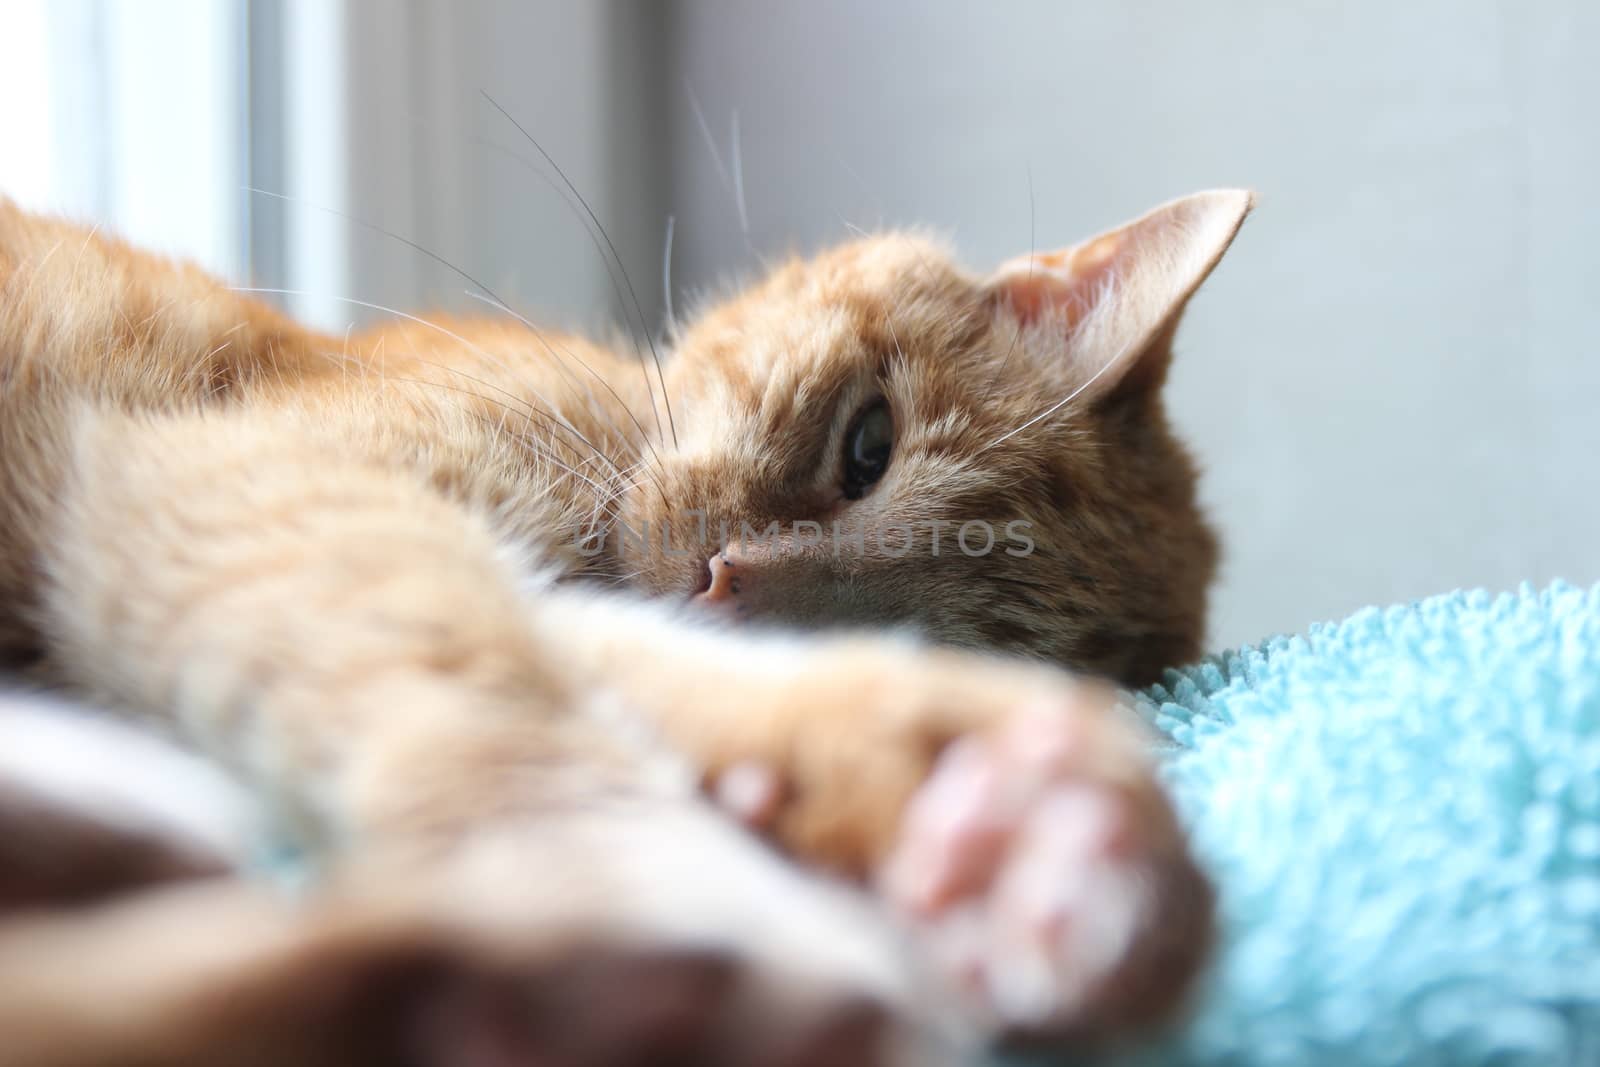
(1402, 811)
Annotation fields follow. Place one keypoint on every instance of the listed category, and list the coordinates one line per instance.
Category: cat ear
(1111, 304)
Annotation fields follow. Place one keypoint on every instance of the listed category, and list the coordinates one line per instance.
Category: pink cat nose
(722, 582)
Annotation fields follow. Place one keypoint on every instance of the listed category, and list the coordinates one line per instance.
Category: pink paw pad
(1031, 881)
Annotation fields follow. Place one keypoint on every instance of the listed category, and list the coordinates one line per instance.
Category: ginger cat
(509, 632)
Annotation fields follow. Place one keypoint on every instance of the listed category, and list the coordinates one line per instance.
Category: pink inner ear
(1065, 283)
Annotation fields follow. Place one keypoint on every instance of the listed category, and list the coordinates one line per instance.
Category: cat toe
(749, 791)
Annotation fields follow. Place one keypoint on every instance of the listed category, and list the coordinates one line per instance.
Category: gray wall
(1393, 379)
(583, 79)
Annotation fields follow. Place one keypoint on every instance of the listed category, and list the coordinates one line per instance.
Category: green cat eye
(867, 444)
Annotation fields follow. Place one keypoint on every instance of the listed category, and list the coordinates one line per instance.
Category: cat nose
(722, 582)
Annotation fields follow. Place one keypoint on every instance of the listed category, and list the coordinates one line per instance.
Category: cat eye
(867, 444)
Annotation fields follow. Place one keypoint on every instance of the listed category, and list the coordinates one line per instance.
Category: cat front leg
(632, 926)
(519, 949)
(363, 648)
(1007, 811)
(307, 613)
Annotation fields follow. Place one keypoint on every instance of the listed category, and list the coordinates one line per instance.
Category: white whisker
(738, 179)
(1058, 405)
(616, 257)
(561, 366)
(666, 274)
(548, 412)
(705, 130)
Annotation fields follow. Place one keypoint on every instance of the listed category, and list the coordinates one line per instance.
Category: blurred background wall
(1392, 381)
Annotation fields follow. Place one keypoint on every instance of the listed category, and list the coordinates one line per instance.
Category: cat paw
(626, 1008)
(1049, 882)
(651, 930)
(1011, 818)
(1008, 813)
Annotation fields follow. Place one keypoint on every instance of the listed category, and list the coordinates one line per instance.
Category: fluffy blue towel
(1402, 811)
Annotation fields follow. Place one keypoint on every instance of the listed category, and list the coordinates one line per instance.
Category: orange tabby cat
(480, 613)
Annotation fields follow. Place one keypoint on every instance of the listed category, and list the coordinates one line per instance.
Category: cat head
(876, 437)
